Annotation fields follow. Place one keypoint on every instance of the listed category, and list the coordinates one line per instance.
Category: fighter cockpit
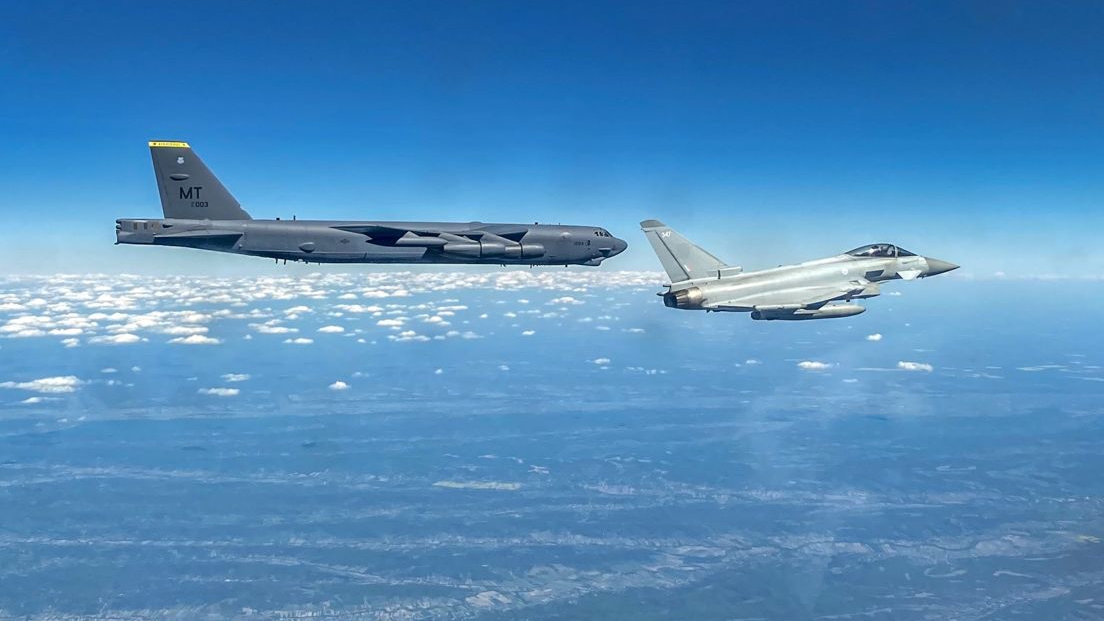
(880, 251)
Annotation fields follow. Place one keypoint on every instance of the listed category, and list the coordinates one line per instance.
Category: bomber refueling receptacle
(200, 213)
(701, 281)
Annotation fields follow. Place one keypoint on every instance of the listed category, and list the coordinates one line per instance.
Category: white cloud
(503, 367)
(47, 385)
(482, 485)
(904, 365)
(298, 341)
(391, 323)
(274, 329)
(339, 385)
(70, 343)
(195, 339)
(219, 392)
(183, 330)
(439, 372)
(109, 370)
(359, 308)
(528, 332)
(813, 365)
(567, 299)
(874, 337)
(752, 362)
(32, 400)
(601, 361)
(235, 377)
(116, 339)
(408, 336)
(331, 329)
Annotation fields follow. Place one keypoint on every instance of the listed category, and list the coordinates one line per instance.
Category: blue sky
(769, 132)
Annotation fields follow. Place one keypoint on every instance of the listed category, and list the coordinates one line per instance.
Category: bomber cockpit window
(901, 252)
(875, 250)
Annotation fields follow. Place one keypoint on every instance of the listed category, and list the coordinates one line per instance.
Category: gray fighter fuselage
(201, 213)
(326, 241)
(700, 281)
(859, 276)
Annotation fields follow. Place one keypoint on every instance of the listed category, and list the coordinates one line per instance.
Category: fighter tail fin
(681, 258)
(188, 188)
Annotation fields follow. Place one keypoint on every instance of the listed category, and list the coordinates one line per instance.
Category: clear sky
(767, 131)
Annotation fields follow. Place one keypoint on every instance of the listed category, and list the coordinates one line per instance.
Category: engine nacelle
(492, 249)
(472, 250)
(525, 251)
(824, 312)
(684, 298)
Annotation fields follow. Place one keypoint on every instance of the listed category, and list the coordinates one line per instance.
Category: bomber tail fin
(681, 258)
(188, 188)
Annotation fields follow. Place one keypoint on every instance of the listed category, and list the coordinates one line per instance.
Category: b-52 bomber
(819, 289)
(201, 213)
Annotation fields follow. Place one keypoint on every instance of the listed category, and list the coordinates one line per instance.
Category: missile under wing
(819, 289)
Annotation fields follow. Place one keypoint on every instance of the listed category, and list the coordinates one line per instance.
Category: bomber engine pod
(825, 312)
(485, 249)
(818, 289)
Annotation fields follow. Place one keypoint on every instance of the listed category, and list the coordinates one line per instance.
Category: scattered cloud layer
(814, 365)
(195, 339)
(905, 365)
(47, 385)
(479, 485)
(220, 392)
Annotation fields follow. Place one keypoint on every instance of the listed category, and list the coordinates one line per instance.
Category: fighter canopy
(881, 251)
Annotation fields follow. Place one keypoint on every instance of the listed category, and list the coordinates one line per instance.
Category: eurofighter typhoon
(201, 213)
(820, 289)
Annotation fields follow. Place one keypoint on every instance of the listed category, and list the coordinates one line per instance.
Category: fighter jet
(819, 289)
(201, 213)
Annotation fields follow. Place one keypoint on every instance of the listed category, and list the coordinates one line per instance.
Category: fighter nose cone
(937, 267)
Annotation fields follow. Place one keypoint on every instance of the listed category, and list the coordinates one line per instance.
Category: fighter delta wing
(201, 213)
(701, 281)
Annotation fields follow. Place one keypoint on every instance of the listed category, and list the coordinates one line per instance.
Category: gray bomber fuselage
(336, 241)
(201, 213)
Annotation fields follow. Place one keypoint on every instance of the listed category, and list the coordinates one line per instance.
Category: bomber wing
(479, 241)
(799, 297)
(429, 237)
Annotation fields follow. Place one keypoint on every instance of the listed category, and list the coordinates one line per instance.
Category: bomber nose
(937, 267)
(619, 246)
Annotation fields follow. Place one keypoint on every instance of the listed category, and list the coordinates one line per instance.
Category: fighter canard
(700, 280)
(201, 213)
